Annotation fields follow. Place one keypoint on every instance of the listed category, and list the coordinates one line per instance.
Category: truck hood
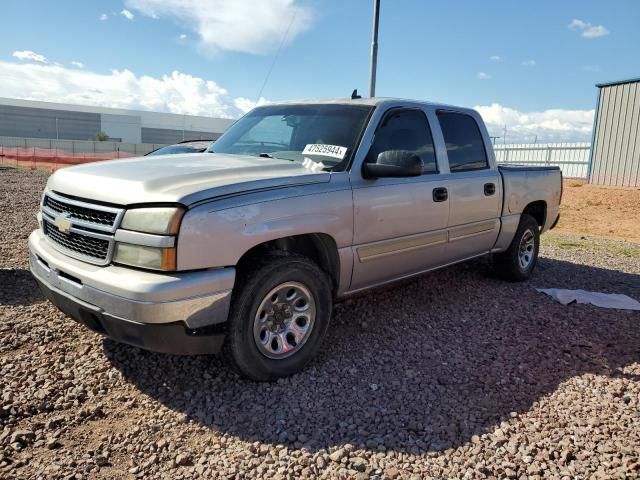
(186, 178)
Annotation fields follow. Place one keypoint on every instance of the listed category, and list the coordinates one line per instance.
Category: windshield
(324, 134)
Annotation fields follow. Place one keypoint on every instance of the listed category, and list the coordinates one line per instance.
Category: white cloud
(126, 14)
(483, 76)
(241, 25)
(183, 36)
(176, 92)
(28, 55)
(588, 30)
(104, 17)
(553, 125)
(77, 64)
(529, 63)
(245, 104)
(495, 58)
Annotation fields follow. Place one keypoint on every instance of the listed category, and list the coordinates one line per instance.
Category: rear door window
(462, 137)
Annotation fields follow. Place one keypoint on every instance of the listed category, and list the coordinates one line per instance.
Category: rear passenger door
(475, 189)
(400, 225)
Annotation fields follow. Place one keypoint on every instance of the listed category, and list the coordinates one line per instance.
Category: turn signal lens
(152, 258)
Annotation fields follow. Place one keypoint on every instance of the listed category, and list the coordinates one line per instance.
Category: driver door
(400, 224)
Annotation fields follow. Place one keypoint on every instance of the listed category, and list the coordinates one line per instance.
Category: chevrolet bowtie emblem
(63, 222)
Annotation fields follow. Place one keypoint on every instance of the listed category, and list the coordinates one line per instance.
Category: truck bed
(517, 167)
(524, 184)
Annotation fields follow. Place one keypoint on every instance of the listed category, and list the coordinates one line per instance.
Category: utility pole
(374, 48)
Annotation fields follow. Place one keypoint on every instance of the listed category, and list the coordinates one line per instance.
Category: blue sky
(547, 55)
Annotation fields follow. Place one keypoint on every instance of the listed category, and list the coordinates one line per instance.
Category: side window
(462, 137)
(405, 130)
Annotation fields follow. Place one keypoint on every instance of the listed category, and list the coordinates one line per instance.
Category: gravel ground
(452, 375)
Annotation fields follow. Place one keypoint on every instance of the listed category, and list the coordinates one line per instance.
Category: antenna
(354, 94)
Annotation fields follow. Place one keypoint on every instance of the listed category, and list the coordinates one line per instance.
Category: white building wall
(128, 124)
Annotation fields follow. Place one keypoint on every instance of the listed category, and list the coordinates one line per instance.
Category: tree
(101, 136)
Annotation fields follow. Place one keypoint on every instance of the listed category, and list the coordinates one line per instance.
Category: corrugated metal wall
(616, 150)
(44, 123)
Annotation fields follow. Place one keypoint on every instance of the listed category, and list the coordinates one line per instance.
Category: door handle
(489, 189)
(440, 194)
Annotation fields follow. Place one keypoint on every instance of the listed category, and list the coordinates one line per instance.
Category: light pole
(374, 48)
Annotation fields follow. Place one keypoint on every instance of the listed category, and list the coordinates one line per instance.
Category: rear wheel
(516, 264)
(279, 317)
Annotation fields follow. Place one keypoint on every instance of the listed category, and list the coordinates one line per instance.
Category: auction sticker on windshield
(325, 150)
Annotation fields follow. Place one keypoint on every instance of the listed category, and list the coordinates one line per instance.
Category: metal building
(615, 156)
(34, 119)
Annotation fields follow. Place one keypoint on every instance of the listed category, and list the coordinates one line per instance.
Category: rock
(337, 455)
(392, 472)
(22, 436)
(183, 459)
(371, 443)
(358, 463)
(52, 443)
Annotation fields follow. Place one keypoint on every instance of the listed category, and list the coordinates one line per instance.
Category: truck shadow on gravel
(422, 366)
(18, 287)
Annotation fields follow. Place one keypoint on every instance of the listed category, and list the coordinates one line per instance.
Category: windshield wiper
(265, 155)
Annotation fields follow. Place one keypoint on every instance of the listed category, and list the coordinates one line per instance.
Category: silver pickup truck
(245, 247)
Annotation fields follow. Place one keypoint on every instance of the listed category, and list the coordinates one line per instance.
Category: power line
(275, 57)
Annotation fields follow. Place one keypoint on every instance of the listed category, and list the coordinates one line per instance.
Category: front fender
(211, 237)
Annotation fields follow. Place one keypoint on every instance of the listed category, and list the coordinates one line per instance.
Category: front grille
(81, 244)
(81, 213)
(89, 231)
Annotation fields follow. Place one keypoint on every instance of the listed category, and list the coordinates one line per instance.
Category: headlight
(153, 220)
(159, 220)
(154, 258)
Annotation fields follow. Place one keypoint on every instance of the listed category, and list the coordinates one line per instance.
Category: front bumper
(170, 312)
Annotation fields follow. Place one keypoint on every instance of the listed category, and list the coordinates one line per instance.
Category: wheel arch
(537, 210)
(318, 247)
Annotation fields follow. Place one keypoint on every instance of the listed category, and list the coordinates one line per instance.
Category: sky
(531, 66)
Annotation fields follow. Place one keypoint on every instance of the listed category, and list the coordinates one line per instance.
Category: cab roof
(370, 101)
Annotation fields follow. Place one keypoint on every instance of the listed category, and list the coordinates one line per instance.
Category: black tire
(253, 285)
(507, 264)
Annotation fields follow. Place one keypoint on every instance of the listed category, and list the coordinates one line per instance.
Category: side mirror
(394, 163)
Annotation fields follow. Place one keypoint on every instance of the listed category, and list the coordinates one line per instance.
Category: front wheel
(516, 264)
(279, 317)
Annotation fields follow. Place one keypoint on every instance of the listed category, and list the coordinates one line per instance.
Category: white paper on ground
(604, 300)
